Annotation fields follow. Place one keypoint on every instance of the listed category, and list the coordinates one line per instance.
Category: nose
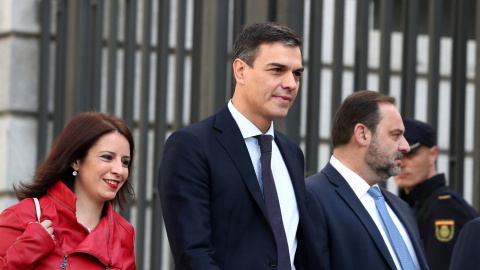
(117, 167)
(403, 146)
(289, 81)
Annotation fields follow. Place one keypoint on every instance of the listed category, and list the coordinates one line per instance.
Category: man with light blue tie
(365, 226)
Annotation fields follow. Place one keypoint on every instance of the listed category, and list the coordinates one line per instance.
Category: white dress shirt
(283, 183)
(360, 187)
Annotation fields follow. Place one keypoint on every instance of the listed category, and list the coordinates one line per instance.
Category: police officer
(440, 211)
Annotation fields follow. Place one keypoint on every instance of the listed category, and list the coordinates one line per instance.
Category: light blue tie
(393, 234)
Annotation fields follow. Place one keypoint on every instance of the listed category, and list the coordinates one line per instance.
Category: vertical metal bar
(458, 93)
(239, 7)
(129, 62)
(385, 45)
(143, 138)
(112, 57)
(295, 12)
(95, 65)
(313, 100)
(337, 68)
(409, 61)
(129, 70)
(385, 49)
(238, 17)
(44, 73)
(476, 167)
(160, 126)
(292, 120)
(180, 66)
(82, 54)
(196, 60)
(221, 58)
(272, 10)
(361, 46)
(435, 21)
(60, 67)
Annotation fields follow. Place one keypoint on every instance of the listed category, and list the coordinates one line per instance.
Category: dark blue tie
(394, 235)
(271, 202)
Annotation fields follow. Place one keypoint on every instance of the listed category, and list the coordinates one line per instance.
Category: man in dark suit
(366, 227)
(465, 254)
(223, 207)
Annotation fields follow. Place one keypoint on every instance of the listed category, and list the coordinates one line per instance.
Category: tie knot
(265, 142)
(375, 192)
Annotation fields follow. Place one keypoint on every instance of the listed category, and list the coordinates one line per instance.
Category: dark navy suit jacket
(354, 240)
(213, 208)
(466, 254)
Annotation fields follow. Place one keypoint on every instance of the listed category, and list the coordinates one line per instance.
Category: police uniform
(441, 212)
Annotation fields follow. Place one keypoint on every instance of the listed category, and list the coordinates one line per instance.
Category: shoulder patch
(444, 229)
(444, 197)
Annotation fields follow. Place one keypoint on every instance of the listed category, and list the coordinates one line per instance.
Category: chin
(109, 197)
(403, 184)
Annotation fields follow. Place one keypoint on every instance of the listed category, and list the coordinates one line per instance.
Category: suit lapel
(232, 141)
(346, 193)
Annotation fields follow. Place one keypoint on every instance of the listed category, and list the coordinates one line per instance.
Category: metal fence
(161, 65)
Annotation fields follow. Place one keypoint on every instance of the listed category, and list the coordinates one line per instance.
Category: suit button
(273, 263)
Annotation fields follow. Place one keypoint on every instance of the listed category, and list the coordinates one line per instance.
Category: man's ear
(362, 135)
(239, 68)
(433, 153)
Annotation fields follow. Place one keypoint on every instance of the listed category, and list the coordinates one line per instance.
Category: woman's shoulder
(20, 213)
(25, 205)
(25, 209)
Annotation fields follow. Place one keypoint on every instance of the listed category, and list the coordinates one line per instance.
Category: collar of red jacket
(91, 244)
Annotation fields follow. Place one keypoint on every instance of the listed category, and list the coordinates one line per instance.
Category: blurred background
(163, 64)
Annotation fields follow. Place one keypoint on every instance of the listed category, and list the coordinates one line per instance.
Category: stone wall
(19, 60)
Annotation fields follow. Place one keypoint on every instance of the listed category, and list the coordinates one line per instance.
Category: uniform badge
(444, 229)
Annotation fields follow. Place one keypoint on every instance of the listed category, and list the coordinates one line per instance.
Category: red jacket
(109, 246)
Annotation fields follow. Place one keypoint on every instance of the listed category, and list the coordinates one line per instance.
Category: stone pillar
(19, 60)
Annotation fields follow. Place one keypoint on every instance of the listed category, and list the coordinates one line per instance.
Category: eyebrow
(284, 66)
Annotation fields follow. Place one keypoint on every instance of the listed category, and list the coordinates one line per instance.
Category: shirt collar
(247, 128)
(357, 183)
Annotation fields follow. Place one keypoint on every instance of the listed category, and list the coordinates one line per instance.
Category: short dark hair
(73, 143)
(359, 107)
(249, 40)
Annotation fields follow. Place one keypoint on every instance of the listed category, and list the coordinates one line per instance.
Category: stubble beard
(380, 162)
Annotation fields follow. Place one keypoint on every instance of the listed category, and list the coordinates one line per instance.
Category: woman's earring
(74, 173)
